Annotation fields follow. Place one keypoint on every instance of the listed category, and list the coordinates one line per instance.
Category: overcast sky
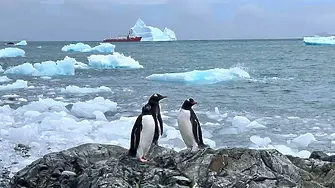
(190, 19)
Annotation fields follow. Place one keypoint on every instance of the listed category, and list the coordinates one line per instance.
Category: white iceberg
(21, 43)
(116, 60)
(12, 52)
(210, 76)
(81, 47)
(150, 33)
(317, 40)
(47, 68)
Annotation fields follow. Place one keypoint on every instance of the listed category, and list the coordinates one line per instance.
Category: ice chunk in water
(261, 142)
(304, 140)
(210, 76)
(12, 52)
(116, 60)
(86, 109)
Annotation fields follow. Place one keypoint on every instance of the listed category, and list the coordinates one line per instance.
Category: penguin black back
(155, 111)
(136, 131)
(196, 129)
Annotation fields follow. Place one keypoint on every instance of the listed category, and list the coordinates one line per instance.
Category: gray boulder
(107, 166)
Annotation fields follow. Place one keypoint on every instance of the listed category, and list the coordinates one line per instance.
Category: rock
(98, 165)
(322, 156)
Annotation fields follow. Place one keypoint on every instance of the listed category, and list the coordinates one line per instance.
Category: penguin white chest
(147, 135)
(185, 128)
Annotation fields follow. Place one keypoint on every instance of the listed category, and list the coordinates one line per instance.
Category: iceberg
(47, 68)
(116, 60)
(81, 47)
(210, 76)
(21, 43)
(150, 33)
(12, 52)
(317, 40)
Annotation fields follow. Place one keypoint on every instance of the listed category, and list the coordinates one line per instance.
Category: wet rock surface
(98, 165)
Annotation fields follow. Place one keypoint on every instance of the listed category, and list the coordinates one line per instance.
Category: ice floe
(210, 76)
(47, 68)
(76, 89)
(116, 60)
(81, 47)
(11, 52)
(21, 43)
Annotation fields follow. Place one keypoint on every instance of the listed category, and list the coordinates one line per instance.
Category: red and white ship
(129, 38)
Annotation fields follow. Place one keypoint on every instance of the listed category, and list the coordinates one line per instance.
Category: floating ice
(116, 60)
(21, 43)
(39, 46)
(12, 52)
(81, 47)
(4, 79)
(1, 70)
(150, 33)
(304, 140)
(317, 40)
(210, 76)
(47, 68)
(261, 142)
(76, 89)
(18, 84)
(87, 109)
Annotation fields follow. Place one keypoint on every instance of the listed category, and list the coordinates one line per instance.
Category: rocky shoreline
(104, 166)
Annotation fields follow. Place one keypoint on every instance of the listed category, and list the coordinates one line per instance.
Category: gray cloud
(190, 19)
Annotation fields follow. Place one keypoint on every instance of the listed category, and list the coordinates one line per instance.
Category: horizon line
(228, 39)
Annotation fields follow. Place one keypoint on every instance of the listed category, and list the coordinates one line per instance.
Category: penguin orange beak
(194, 102)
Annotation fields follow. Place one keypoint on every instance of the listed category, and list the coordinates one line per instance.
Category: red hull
(130, 39)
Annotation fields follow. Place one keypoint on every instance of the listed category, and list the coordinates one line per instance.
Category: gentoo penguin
(142, 134)
(156, 113)
(189, 126)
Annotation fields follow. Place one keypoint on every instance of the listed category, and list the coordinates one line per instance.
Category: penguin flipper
(197, 133)
(135, 136)
(160, 120)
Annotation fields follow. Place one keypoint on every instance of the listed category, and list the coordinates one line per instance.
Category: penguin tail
(202, 145)
(132, 153)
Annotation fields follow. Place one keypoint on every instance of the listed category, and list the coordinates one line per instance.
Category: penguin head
(146, 109)
(188, 103)
(155, 98)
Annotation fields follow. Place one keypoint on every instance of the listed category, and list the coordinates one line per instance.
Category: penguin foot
(143, 160)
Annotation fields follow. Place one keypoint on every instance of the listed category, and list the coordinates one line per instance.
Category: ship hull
(132, 39)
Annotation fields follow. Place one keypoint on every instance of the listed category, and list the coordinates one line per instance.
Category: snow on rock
(81, 47)
(210, 76)
(21, 43)
(87, 109)
(76, 89)
(12, 52)
(150, 33)
(116, 60)
(47, 68)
